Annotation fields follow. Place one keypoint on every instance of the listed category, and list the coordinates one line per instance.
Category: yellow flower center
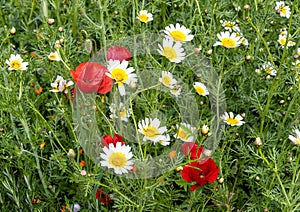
(232, 121)
(298, 65)
(229, 25)
(166, 80)
(119, 75)
(123, 113)
(150, 132)
(283, 10)
(282, 41)
(182, 134)
(228, 42)
(144, 18)
(117, 160)
(52, 57)
(169, 53)
(297, 141)
(200, 90)
(177, 35)
(268, 70)
(16, 64)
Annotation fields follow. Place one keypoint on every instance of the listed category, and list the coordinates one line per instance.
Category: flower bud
(179, 168)
(50, 21)
(221, 180)
(258, 142)
(246, 7)
(71, 154)
(204, 130)
(13, 30)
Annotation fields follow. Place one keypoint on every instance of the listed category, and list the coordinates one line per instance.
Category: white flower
(121, 74)
(283, 10)
(228, 40)
(119, 112)
(151, 130)
(144, 16)
(178, 33)
(230, 26)
(53, 56)
(165, 140)
(176, 90)
(282, 40)
(295, 140)
(117, 157)
(231, 120)
(167, 79)
(174, 53)
(185, 132)
(269, 69)
(298, 51)
(296, 64)
(60, 85)
(15, 62)
(201, 89)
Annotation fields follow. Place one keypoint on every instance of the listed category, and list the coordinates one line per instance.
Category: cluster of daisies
(284, 41)
(232, 36)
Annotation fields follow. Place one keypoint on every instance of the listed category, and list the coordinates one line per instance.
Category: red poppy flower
(118, 53)
(200, 172)
(192, 150)
(107, 139)
(90, 77)
(104, 198)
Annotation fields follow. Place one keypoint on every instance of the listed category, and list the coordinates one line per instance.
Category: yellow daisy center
(282, 41)
(15, 64)
(228, 42)
(117, 160)
(144, 18)
(297, 141)
(177, 35)
(123, 113)
(232, 121)
(200, 90)
(119, 75)
(298, 65)
(283, 10)
(182, 134)
(268, 70)
(52, 57)
(150, 132)
(229, 25)
(169, 53)
(166, 80)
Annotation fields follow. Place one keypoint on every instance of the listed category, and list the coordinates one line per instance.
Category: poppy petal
(118, 53)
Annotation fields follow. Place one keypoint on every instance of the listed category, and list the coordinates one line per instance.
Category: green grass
(255, 178)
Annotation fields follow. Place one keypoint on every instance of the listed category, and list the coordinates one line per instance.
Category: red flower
(90, 77)
(107, 139)
(104, 198)
(192, 150)
(200, 172)
(118, 53)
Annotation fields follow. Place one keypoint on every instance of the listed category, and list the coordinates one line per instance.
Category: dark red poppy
(191, 150)
(107, 139)
(104, 198)
(118, 53)
(90, 77)
(201, 172)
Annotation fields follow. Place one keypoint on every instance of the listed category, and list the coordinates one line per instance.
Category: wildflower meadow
(150, 105)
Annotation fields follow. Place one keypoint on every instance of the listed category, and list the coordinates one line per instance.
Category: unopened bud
(88, 45)
(204, 130)
(71, 154)
(248, 57)
(50, 21)
(258, 142)
(13, 30)
(221, 180)
(246, 7)
(209, 52)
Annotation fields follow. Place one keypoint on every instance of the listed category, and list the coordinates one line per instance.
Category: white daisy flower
(53, 56)
(176, 90)
(201, 89)
(185, 132)
(244, 41)
(144, 16)
(283, 10)
(296, 64)
(230, 26)
(117, 157)
(15, 62)
(282, 41)
(231, 120)
(151, 130)
(167, 79)
(295, 140)
(119, 72)
(119, 112)
(174, 53)
(269, 69)
(60, 85)
(228, 40)
(298, 51)
(258, 71)
(178, 33)
(165, 140)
